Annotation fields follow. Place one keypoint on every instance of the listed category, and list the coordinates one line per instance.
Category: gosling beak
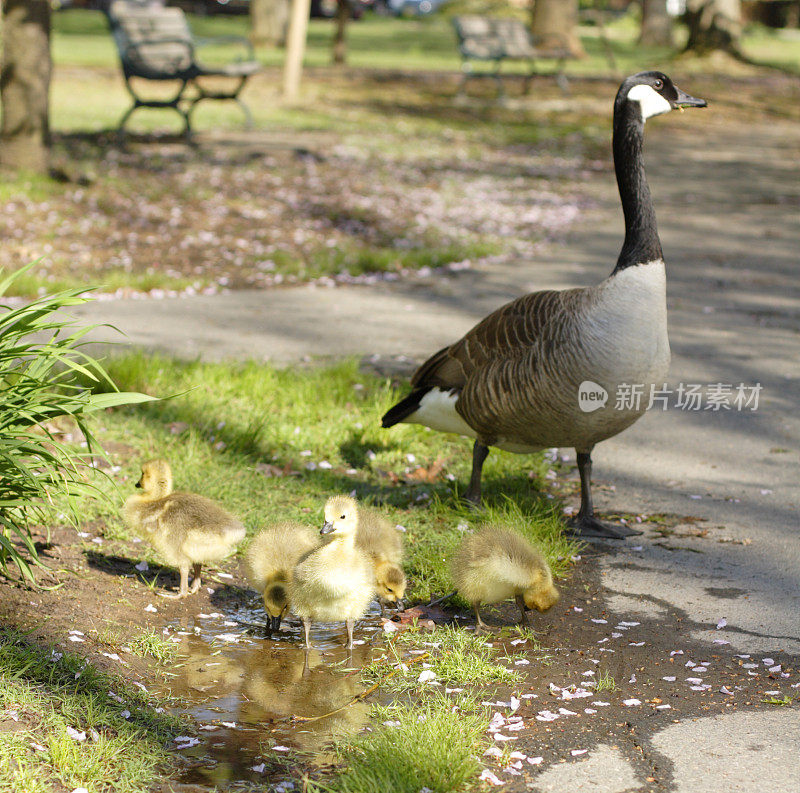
(685, 100)
(327, 527)
(275, 623)
(138, 484)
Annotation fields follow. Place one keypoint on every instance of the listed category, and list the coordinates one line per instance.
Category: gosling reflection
(281, 683)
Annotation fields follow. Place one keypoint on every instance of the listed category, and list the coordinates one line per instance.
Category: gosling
(383, 543)
(334, 581)
(496, 564)
(184, 528)
(270, 560)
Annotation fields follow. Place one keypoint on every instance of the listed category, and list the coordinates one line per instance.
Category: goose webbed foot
(589, 526)
(473, 498)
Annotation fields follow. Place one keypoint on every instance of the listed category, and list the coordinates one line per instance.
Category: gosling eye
(658, 85)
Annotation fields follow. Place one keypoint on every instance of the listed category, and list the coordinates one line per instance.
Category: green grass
(151, 644)
(457, 658)
(321, 423)
(360, 259)
(605, 682)
(81, 38)
(49, 691)
(780, 701)
(433, 744)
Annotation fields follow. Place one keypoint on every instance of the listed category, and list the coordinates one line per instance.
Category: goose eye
(658, 85)
(341, 517)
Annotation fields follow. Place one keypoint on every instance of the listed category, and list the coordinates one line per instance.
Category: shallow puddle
(248, 692)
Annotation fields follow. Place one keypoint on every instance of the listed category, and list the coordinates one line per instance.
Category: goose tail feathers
(404, 408)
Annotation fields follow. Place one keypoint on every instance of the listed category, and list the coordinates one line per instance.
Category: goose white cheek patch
(650, 101)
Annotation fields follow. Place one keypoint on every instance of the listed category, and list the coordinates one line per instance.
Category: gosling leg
(183, 591)
(480, 625)
(523, 617)
(350, 624)
(479, 455)
(196, 580)
(307, 629)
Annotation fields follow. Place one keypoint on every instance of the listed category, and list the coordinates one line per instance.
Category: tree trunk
(656, 24)
(714, 25)
(554, 23)
(339, 42)
(268, 20)
(25, 85)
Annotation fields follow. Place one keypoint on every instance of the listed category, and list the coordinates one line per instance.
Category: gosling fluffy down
(335, 581)
(497, 563)
(383, 543)
(270, 560)
(185, 529)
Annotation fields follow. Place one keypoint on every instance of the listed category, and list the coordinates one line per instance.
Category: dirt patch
(242, 687)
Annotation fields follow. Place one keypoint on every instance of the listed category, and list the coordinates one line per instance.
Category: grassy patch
(434, 744)
(151, 644)
(780, 701)
(605, 682)
(455, 656)
(234, 426)
(69, 723)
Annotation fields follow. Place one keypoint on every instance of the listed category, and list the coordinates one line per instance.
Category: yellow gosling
(497, 563)
(269, 564)
(186, 529)
(335, 581)
(383, 543)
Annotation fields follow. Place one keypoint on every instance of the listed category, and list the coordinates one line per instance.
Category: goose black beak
(138, 484)
(685, 100)
(327, 527)
(275, 623)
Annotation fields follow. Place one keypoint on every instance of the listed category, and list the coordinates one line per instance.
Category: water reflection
(244, 688)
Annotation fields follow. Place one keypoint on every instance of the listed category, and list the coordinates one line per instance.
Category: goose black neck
(641, 233)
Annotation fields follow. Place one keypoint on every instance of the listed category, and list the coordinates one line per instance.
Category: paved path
(728, 201)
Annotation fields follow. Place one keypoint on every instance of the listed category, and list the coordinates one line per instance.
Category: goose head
(390, 583)
(539, 598)
(276, 603)
(341, 517)
(653, 93)
(156, 479)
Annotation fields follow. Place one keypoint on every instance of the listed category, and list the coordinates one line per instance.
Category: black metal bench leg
(529, 77)
(561, 78)
(501, 92)
(249, 122)
(124, 120)
(466, 73)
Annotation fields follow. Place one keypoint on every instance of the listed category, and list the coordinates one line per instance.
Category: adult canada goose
(334, 581)
(186, 529)
(383, 543)
(497, 563)
(269, 563)
(513, 380)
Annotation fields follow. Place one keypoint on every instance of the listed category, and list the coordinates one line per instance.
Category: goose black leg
(479, 455)
(523, 617)
(585, 524)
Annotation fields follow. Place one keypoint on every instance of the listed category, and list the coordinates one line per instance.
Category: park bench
(499, 39)
(155, 44)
